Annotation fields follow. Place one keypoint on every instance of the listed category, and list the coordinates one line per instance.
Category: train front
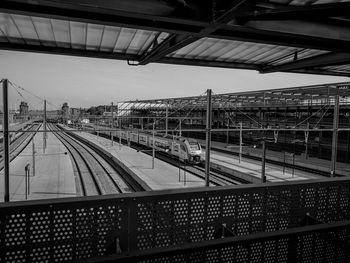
(194, 151)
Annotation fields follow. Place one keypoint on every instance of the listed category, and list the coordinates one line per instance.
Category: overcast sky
(85, 82)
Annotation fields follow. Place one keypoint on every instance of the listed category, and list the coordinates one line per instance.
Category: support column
(180, 128)
(112, 122)
(45, 128)
(240, 141)
(5, 126)
(263, 176)
(208, 138)
(335, 135)
(166, 118)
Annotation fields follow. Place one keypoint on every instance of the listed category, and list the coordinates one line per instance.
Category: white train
(186, 149)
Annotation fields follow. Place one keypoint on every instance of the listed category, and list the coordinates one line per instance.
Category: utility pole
(120, 133)
(306, 140)
(166, 118)
(5, 126)
(33, 151)
(208, 138)
(112, 123)
(153, 149)
(180, 133)
(263, 176)
(45, 128)
(335, 135)
(240, 141)
(228, 127)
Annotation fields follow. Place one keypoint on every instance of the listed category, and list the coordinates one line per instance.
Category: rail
(84, 227)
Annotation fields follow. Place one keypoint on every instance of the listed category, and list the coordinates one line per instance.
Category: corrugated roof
(77, 35)
(304, 36)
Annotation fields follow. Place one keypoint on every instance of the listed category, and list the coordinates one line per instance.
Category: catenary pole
(208, 138)
(6, 141)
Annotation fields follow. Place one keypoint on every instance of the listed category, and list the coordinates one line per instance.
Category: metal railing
(76, 228)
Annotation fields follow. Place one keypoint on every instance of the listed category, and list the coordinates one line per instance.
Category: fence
(76, 228)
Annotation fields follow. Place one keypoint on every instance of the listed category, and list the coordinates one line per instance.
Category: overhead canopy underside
(304, 36)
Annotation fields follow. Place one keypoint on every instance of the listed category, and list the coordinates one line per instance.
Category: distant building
(65, 109)
(75, 112)
(23, 109)
(65, 112)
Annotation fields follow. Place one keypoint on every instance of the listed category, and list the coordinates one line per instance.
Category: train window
(194, 146)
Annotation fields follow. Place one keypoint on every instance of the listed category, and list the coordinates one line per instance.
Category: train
(187, 150)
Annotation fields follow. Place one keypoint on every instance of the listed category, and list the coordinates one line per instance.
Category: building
(23, 108)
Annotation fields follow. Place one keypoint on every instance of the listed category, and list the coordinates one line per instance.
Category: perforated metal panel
(70, 229)
(330, 245)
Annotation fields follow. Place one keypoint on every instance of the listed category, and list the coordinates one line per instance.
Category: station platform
(250, 170)
(54, 177)
(311, 162)
(163, 176)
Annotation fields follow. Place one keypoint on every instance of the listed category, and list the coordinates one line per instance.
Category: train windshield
(194, 146)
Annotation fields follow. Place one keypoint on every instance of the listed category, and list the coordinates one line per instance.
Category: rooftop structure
(294, 96)
(302, 36)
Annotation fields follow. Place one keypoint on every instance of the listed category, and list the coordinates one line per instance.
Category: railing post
(5, 127)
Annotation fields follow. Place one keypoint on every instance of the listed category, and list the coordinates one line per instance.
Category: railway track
(95, 174)
(19, 143)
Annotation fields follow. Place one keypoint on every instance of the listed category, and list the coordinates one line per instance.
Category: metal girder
(208, 63)
(66, 51)
(172, 43)
(176, 42)
(322, 31)
(299, 12)
(167, 16)
(327, 59)
(178, 26)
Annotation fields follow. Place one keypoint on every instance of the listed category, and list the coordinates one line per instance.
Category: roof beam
(176, 42)
(180, 26)
(65, 51)
(299, 12)
(172, 43)
(206, 63)
(327, 59)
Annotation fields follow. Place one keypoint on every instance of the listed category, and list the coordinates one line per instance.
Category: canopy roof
(295, 96)
(305, 36)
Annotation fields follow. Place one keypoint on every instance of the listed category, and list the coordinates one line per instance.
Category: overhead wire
(311, 115)
(16, 86)
(241, 113)
(177, 110)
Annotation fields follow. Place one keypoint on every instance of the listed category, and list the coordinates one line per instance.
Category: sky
(85, 82)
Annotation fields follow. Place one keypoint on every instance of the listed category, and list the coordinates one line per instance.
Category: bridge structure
(289, 222)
